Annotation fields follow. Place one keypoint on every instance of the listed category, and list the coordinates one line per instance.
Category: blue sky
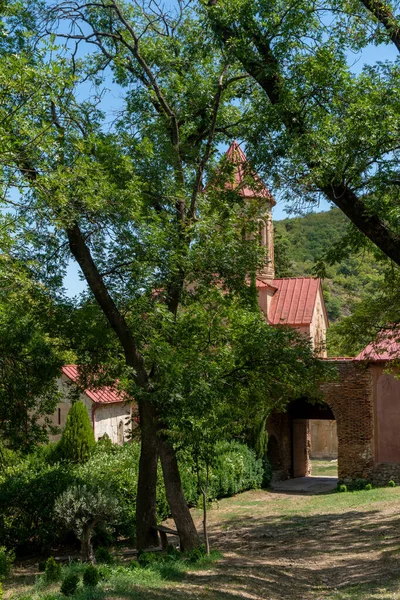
(112, 102)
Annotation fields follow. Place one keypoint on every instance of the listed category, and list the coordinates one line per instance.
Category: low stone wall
(382, 473)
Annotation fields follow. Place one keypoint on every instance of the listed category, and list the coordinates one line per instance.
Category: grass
(323, 468)
(130, 581)
(275, 546)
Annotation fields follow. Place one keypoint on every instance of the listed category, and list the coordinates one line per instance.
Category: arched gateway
(364, 400)
(368, 446)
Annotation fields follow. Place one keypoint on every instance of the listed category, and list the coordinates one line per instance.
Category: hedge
(27, 495)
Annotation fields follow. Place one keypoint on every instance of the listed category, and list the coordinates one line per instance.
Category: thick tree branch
(258, 60)
(383, 13)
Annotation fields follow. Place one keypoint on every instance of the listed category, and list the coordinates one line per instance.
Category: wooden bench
(163, 531)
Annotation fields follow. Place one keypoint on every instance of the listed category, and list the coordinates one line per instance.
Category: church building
(297, 302)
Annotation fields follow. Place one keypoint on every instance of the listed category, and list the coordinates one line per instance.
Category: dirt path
(300, 547)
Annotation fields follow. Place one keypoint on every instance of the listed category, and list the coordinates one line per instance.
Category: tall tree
(319, 128)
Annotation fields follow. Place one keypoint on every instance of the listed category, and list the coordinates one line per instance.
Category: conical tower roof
(245, 180)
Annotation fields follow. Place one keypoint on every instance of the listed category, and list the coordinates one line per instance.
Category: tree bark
(146, 493)
(146, 508)
(87, 554)
(188, 535)
(383, 13)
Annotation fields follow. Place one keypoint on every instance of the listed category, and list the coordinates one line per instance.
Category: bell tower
(253, 189)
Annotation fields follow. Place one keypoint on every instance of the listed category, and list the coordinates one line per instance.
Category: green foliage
(392, 483)
(146, 559)
(28, 495)
(368, 486)
(1, 591)
(27, 498)
(81, 507)
(267, 472)
(103, 556)
(69, 584)
(308, 241)
(7, 558)
(91, 576)
(196, 554)
(77, 440)
(235, 469)
(342, 488)
(52, 570)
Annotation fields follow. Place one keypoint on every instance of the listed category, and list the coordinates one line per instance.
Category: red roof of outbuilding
(386, 347)
(294, 300)
(242, 175)
(103, 395)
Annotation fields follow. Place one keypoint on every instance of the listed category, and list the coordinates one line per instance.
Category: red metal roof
(385, 347)
(103, 395)
(294, 300)
(242, 175)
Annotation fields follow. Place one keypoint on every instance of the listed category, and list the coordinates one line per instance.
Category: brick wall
(350, 397)
(351, 400)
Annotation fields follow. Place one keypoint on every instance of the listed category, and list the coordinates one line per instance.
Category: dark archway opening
(314, 439)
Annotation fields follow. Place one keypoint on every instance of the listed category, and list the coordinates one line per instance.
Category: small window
(59, 416)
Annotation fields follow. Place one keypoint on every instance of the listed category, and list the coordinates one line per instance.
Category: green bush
(236, 470)
(145, 559)
(52, 570)
(103, 556)
(368, 486)
(26, 505)
(1, 591)
(359, 484)
(77, 440)
(6, 560)
(27, 496)
(91, 576)
(392, 483)
(342, 488)
(69, 585)
(267, 473)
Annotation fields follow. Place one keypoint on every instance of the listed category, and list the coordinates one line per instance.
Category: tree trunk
(87, 553)
(204, 492)
(146, 510)
(180, 512)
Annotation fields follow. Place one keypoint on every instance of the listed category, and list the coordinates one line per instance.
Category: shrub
(236, 469)
(1, 591)
(359, 484)
(77, 440)
(103, 556)
(267, 473)
(91, 576)
(82, 506)
(368, 486)
(26, 505)
(28, 496)
(342, 488)
(196, 554)
(70, 584)
(6, 560)
(145, 559)
(392, 483)
(52, 570)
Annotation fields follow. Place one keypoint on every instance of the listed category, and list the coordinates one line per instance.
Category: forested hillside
(302, 241)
